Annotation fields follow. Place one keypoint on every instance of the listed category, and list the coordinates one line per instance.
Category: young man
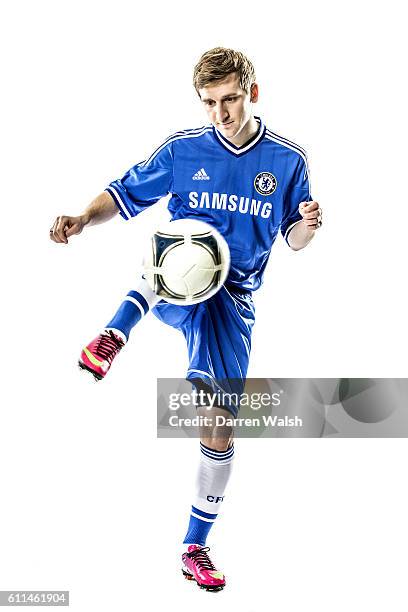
(249, 183)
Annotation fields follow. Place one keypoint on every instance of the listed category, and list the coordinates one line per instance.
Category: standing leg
(218, 337)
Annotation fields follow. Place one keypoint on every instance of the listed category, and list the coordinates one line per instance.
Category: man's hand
(100, 210)
(312, 214)
(64, 227)
(303, 231)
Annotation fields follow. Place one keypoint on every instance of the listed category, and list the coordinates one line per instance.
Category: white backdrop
(90, 500)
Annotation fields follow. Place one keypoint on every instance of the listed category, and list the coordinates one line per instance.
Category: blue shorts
(218, 335)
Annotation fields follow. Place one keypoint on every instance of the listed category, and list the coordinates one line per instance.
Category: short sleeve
(298, 191)
(144, 184)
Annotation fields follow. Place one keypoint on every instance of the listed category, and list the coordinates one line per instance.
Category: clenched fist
(64, 227)
(311, 213)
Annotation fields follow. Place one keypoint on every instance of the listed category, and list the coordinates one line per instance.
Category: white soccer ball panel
(188, 269)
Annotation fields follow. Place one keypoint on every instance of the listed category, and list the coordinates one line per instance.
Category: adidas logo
(201, 175)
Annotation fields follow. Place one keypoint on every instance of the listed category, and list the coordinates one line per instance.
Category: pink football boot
(198, 567)
(98, 355)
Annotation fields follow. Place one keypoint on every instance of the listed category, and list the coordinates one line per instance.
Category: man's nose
(221, 112)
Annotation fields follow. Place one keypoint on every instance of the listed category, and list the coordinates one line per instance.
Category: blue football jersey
(247, 193)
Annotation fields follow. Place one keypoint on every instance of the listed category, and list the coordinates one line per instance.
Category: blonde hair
(216, 64)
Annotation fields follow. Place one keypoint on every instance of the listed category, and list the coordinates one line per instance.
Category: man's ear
(254, 92)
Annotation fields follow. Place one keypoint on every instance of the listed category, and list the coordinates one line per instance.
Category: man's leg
(218, 336)
(98, 355)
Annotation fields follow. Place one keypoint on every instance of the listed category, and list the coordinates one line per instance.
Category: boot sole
(213, 589)
(96, 376)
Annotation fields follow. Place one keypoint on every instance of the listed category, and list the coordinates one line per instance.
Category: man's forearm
(300, 236)
(101, 209)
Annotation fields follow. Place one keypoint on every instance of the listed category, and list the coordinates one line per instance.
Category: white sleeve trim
(119, 201)
(290, 228)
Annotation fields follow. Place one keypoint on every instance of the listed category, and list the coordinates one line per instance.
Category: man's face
(228, 107)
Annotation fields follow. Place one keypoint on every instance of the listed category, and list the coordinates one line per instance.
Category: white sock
(213, 475)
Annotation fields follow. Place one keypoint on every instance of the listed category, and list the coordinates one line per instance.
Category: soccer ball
(186, 262)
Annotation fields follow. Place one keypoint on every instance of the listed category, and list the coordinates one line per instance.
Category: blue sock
(199, 526)
(136, 304)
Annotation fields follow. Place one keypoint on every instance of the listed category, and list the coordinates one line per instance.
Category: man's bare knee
(218, 444)
(213, 435)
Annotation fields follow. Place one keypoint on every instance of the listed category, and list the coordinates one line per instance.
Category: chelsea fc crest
(265, 183)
